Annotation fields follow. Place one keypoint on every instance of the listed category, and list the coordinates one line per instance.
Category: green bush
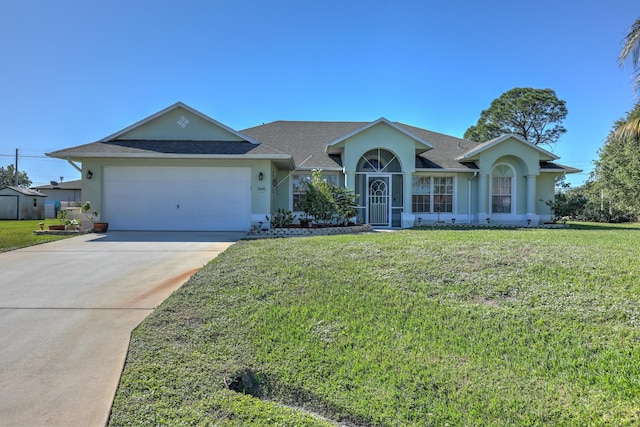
(326, 202)
(282, 218)
(346, 205)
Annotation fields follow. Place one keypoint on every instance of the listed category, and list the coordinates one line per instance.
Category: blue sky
(72, 72)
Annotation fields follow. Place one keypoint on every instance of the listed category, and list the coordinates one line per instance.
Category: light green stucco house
(182, 170)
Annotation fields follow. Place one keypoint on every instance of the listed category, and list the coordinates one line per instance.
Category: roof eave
(565, 170)
(447, 170)
(79, 156)
(329, 149)
(323, 168)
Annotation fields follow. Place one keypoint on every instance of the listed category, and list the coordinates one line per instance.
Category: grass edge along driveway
(19, 234)
(476, 327)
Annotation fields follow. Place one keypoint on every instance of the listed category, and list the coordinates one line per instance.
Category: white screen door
(378, 200)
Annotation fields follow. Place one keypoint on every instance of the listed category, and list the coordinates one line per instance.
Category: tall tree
(618, 168)
(8, 177)
(630, 54)
(534, 114)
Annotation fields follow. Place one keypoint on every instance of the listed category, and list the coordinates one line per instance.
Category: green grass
(417, 327)
(19, 234)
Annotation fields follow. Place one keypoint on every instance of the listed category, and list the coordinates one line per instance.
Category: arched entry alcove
(380, 188)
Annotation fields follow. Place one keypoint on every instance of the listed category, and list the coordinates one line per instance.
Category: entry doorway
(379, 185)
(378, 196)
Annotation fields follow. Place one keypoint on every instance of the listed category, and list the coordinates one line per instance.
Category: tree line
(612, 192)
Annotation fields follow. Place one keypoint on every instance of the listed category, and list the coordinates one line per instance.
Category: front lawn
(416, 327)
(19, 234)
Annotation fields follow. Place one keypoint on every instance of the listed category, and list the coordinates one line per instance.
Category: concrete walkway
(67, 309)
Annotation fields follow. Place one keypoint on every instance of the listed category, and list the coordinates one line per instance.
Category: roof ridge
(437, 133)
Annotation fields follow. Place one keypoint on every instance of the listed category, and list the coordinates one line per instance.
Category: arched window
(379, 161)
(502, 180)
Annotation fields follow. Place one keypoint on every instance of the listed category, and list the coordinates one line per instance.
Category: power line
(26, 157)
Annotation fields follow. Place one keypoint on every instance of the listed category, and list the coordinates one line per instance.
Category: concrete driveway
(67, 309)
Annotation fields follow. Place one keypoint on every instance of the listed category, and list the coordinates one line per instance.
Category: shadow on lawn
(569, 226)
(603, 226)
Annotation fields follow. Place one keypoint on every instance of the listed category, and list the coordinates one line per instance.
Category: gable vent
(183, 122)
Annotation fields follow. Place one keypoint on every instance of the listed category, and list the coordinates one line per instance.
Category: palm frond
(630, 52)
(631, 49)
(631, 129)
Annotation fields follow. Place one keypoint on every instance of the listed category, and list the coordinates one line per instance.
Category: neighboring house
(62, 195)
(182, 170)
(21, 203)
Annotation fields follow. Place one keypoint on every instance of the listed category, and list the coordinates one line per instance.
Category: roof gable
(475, 152)
(336, 145)
(178, 122)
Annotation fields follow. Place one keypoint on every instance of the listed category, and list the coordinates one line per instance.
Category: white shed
(21, 203)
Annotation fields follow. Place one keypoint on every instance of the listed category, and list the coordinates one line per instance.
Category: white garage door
(177, 198)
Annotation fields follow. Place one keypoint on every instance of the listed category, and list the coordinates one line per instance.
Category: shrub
(318, 200)
(282, 218)
(345, 201)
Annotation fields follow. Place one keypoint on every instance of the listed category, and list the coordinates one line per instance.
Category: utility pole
(16, 178)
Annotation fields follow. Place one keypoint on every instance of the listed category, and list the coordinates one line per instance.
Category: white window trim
(383, 170)
(454, 198)
(513, 190)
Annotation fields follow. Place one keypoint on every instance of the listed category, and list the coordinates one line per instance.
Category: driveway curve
(67, 309)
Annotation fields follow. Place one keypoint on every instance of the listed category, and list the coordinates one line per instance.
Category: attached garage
(179, 170)
(177, 198)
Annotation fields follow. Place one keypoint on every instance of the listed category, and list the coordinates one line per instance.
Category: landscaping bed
(258, 233)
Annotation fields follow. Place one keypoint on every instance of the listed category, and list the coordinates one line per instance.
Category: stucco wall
(166, 127)
(545, 191)
(282, 191)
(462, 194)
(529, 156)
(380, 136)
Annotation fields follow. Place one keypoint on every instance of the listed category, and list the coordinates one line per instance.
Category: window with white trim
(432, 194)
(421, 194)
(443, 194)
(502, 190)
(299, 187)
(300, 183)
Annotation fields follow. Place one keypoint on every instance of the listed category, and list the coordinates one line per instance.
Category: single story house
(60, 195)
(21, 203)
(180, 169)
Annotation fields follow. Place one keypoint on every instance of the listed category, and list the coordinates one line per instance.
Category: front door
(378, 200)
